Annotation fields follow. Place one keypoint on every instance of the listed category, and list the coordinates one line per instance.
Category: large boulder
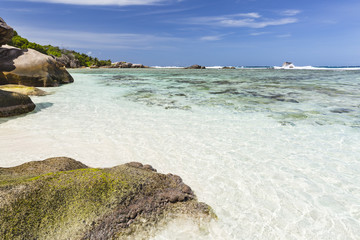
(31, 68)
(12, 104)
(125, 65)
(60, 198)
(137, 66)
(6, 32)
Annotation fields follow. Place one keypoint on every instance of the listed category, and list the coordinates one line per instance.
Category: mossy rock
(26, 90)
(60, 198)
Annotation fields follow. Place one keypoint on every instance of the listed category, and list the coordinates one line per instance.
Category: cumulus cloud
(102, 2)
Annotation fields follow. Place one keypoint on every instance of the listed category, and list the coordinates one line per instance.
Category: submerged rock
(12, 104)
(31, 68)
(61, 198)
(341, 110)
(26, 90)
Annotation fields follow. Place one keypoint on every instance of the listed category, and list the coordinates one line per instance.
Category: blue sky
(184, 32)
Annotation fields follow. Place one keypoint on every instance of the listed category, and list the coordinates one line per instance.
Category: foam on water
(319, 68)
(271, 169)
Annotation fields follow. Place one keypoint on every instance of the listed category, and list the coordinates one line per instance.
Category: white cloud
(256, 24)
(258, 33)
(211, 38)
(94, 40)
(22, 10)
(102, 2)
(290, 12)
(249, 15)
(250, 20)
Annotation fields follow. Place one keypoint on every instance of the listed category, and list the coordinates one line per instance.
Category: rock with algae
(60, 198)
(26, 90)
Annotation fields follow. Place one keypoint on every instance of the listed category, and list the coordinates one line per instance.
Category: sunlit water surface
(275, 153)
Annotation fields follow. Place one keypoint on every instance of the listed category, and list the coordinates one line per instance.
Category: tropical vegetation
(84, 59)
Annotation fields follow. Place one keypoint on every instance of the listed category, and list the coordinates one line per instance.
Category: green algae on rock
(26, 90)
(61, 198)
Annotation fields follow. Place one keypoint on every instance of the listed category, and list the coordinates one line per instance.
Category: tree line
(84, 59)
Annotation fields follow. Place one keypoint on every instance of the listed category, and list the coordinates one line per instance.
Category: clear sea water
(276, 153)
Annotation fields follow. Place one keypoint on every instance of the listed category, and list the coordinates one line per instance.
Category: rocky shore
(25, 67)
(60, 198)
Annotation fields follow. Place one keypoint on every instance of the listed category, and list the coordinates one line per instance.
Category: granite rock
(12, 104)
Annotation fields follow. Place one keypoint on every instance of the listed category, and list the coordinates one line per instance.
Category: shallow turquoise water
(316, 97)
(274, 152)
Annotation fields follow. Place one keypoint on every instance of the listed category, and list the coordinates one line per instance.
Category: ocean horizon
(340, 67)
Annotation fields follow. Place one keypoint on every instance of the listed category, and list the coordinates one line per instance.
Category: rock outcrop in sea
(195, 67)
(60, 198)
(126, 65)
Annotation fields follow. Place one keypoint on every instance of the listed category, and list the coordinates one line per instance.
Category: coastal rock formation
(6, 32)
(60, 198)
(26, 90)
(12, 104)
(126, 65)
(228, 68)
(27, 66)
(137, 66)
(68, 60)
(31, 68)
(195, 67)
